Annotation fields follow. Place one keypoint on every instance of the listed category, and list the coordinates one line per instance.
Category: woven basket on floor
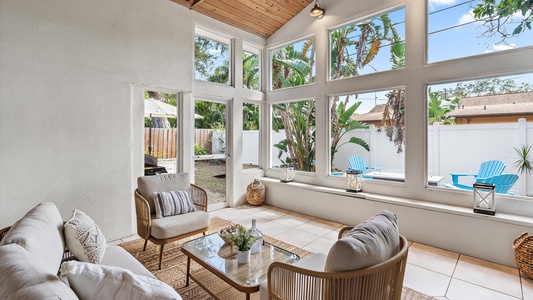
(255, 193)
(523, 253)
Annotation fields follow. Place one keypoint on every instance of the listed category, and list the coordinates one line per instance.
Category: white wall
(66, 69)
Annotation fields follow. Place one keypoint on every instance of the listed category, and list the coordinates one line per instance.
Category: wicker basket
(255, 193)
(523, 253)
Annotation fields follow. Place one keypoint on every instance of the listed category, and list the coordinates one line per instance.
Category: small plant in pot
(243, 240)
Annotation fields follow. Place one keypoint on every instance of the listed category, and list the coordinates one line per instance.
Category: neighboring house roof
(474, 107)
(495, 105)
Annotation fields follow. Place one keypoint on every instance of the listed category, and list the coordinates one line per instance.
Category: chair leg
(161, 256)
(145, 242)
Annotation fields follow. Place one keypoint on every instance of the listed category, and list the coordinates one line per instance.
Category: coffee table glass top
(222, 257)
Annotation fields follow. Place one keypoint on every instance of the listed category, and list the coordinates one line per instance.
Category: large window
(293, 64)
(369, 46)
(211, 60)
(367, 134)
(250, 135)
(474, 122)
(462, 28)
(293, 135)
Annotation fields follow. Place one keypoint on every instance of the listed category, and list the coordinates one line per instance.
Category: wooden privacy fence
(164, 141)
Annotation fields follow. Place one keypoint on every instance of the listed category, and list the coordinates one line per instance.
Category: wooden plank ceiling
(259, 17)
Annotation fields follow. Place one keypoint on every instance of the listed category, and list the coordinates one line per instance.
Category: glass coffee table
(220, 258)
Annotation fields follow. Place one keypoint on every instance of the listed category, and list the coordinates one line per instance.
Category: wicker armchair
(379, 282)
(168, 229)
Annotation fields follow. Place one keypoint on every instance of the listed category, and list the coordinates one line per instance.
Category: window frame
(219, 38)
(271, 51)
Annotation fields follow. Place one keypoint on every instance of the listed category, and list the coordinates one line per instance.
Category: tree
(439, 106)
(394, 118)
(213, 115)
(250, 116)
(490, 86)
(205, 59)
(250, 72)
(497, 16)
(342, 123)
(298, 120)
(291, 67)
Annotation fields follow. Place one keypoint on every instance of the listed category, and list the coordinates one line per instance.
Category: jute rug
(174, 268)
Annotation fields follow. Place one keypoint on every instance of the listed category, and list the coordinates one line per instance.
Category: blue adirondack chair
(486, 169)
(503, 183)
(357, 162)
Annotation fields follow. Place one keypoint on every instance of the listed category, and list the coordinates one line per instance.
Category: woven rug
(174, 268)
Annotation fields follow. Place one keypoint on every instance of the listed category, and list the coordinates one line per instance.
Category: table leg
(188, 270)
(247, 296)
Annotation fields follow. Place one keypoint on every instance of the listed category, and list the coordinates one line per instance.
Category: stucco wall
(66, 68)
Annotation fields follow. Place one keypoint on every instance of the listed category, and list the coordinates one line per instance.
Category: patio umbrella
(157, 109)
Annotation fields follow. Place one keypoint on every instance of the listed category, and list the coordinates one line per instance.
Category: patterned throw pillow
(172, 203)
(84, 239)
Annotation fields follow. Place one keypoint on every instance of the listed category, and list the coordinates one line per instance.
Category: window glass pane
(250, 136)
(474, 122)
(454, 31)
(294, 64)
(370, 46)
(362, 139)
(250, 70)
(211, 60)
(293, 135)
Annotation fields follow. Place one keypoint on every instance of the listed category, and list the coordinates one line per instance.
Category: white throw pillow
(369, 243)
(26, 276)
(172, 203)
(84, 239)
(40, 232)
(91, 281)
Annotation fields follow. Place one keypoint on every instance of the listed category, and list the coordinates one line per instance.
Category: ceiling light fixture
(317, 11)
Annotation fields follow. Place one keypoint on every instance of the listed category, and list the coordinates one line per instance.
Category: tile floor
(433, 271)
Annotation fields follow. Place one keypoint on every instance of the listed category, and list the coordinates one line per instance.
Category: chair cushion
(148, 185)
(40, 232)
(91, 281)
(26, 276)
(116, 256)
(84, 238)
(369, 243)
(173, 226)
(172, 203)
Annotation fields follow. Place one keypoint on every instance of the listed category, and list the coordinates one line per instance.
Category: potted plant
(243, 240)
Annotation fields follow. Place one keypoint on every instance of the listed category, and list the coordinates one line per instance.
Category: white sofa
(32, 252)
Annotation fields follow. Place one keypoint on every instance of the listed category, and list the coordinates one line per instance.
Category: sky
(452, 33)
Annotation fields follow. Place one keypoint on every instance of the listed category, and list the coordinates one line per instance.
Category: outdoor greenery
(199, 150)
(171, 99)
(250, 70)
(213, 115)
(524, 163)
(250, 116)
(205, 56)
(439, 106)
(291, 67)
(497, 16)
(298, 121)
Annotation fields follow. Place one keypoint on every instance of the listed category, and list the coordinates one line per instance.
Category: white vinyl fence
(451, 149)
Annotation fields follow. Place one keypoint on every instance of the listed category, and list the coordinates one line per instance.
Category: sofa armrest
(144, 221)
(199, 197)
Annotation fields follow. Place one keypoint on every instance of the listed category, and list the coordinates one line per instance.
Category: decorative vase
(243, 257)
(257, 246)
